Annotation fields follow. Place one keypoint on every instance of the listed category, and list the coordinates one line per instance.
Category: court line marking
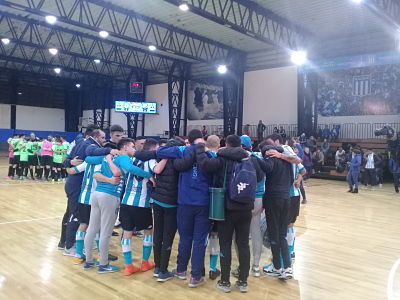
(29, 220)
(390, 283)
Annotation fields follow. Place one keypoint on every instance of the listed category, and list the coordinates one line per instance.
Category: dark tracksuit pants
(72, 189)
(352, 178)
(370, 176)
(193, 227)
(396, 180)
(165, 225)
(277, 216)
(238, 222)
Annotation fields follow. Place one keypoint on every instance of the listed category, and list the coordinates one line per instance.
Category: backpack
(243, 182)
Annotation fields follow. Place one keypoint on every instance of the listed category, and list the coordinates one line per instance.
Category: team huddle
(42, 158)
(164, 187)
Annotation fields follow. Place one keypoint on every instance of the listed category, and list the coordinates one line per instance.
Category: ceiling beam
(251, 19)
(387, 10)
(128, 26)
(80, 45)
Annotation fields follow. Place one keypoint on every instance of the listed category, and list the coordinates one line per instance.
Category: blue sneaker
(180, 275)
(193, 283)
(162, 277)
(89, 265)
(107, 269)
(156, 272)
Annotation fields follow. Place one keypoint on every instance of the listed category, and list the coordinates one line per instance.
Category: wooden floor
(348, 247)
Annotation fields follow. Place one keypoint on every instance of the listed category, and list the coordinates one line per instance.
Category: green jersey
(34, 147)
(24, 151)
(58, 157)
(15, 143)
(66, 147)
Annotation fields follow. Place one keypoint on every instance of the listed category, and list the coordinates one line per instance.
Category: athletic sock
(127, 251)
(214, 251)
(46, 173)
(26, 172)
(79, 243)
(147, 245)
(14, 171)
(290, 238)
(63, 173)
(97, 238)
(31, 172)
(10, 171)
(53, 174)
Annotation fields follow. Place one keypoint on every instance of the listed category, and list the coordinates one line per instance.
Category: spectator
(282, 132)
(319, 132)
(260, 130)
(370, 174)
(276, 130)
(325, 149)
(326, 133)
(307, 163)
(340, 159)
(318, 160)
(395, 169)
(311, 144)
(303, 140)
(204, 131)
(335, 133)
(379, 165)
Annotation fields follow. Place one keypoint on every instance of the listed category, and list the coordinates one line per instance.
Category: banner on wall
(205, 101)
(372, 90)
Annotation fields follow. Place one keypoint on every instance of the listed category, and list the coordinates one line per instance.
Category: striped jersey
(297, 169)
(137, 192)
(89, 183)
(260, 189)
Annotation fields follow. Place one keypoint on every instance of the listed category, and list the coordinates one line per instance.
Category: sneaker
(355, 191)
(114, 233)
(380, 185)
(61, 246)
(78, 260)
(293, 255)
(350, 190)
(242, 286)
(271, 271)
(107, 269)
(396, 189)
(235, 272)
(89, 265)
(286, 274)
(224, 286)
(69, 252)
(195, 283)
(214, 274)
(304, 201)
(180, 275)
(137, 234)
(156, 272)
(162, 277)
(146, 265)
(112, 257)
(130, 269)
(255, 271)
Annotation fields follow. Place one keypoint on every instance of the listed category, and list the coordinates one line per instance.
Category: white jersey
(137, 192)
(89, 183)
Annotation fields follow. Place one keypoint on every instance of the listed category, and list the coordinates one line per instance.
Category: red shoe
(130, 269)
(146, 265)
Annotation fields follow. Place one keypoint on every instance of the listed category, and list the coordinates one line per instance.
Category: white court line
(29, 220)
(390, 283)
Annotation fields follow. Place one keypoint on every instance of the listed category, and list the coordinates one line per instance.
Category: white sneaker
(271, 271)
(286, 274)
(255, 271)
(69, 252)
(380, 185)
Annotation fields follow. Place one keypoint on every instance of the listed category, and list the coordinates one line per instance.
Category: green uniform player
(58, 155)
(24, 158)
(34, 149)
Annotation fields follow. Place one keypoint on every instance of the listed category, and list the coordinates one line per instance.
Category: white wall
(270, 95)
(40, 118)
(157, 124)
(5, 115)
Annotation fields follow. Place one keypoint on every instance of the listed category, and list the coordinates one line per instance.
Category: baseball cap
(245, 141)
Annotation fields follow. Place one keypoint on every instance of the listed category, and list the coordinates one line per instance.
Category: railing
(347, 130)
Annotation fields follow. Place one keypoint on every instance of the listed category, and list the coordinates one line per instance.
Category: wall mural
(372, 90)
(205, 101)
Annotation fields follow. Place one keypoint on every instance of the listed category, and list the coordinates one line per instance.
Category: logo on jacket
(241, 186)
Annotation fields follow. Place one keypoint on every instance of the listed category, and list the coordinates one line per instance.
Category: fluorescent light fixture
(57, 70)
(97, 61)
(51, 19)
(184, 7)
(103, 34)
(222, 69)
(78, 85)
(5, 41)
(299, 57)
(152, 48)
(19, 93)
(357, 1)
(53, 51)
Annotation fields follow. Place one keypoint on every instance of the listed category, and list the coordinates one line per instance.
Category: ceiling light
(357, 1)
(184, 7)
(53, 51)
(5, 41)
(97, 61)
(78, 85)
(57, 70)
(152, 48)
(19, 93)
(103, 34)
(222, 69)
(299, 57)
(51, 19)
